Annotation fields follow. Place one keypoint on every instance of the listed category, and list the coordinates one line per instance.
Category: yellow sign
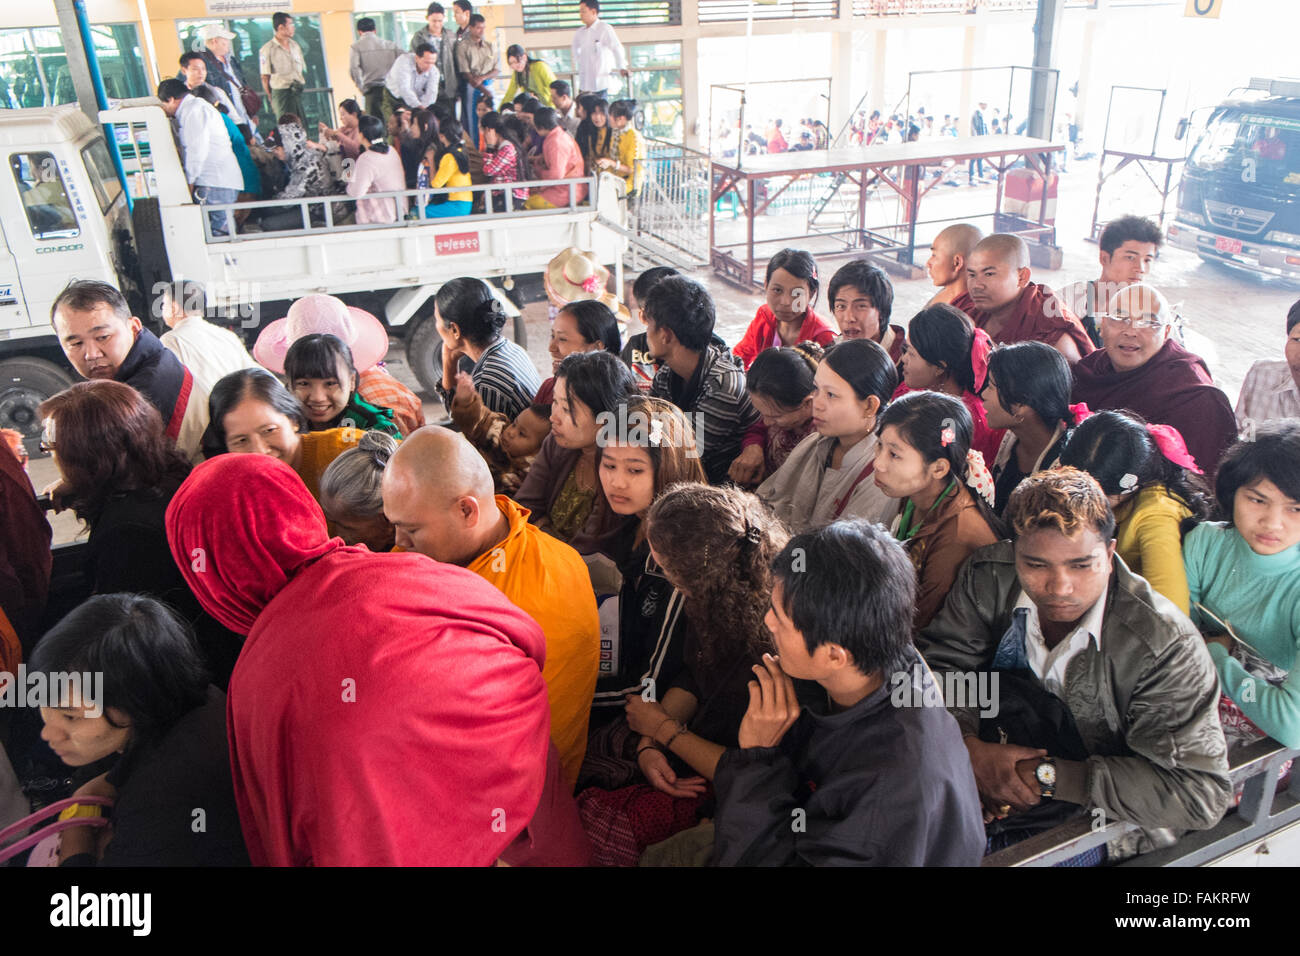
(1204, 9)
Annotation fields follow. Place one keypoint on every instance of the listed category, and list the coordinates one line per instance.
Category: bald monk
(1002, 301)
(1141, 367)
(438, 493)
(949, 253)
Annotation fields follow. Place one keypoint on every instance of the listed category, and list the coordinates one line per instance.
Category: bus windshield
(1255, 146)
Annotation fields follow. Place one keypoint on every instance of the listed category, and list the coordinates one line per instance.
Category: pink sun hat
(364, 334)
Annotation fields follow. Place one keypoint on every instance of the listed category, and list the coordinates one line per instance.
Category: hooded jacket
(385, 709)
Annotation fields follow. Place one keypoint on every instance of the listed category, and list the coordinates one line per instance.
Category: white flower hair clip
(1128, 482)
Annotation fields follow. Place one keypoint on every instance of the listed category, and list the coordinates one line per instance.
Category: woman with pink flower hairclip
(924, 459)
(1155, 489)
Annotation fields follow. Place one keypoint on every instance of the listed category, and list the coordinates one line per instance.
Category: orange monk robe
(548, 580)
(1039, 317)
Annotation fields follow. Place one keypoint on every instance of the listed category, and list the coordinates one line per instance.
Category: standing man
(369, 62)
(210, 165)
(194, 74)
(977, 128)
(412, 81)
(444, 44)
(283, 69)
(225, 73)
(596, 51)
(477, 62)
(461, 11)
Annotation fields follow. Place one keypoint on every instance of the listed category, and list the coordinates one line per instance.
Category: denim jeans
(212, 195)
(470, 95)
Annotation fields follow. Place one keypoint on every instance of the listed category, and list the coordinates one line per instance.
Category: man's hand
(645, 716)
(773, 706)
(998, 776)
(660, 775)
(747, 468)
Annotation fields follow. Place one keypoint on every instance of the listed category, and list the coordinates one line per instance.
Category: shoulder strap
(842, 503)
(182, 403)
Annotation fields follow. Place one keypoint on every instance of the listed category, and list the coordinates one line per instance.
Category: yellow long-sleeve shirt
(1147, 538)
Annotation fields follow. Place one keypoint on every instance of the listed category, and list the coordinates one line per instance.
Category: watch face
(1046, 774)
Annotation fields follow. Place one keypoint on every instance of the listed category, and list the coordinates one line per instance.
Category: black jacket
(155, 372)
(875, 785)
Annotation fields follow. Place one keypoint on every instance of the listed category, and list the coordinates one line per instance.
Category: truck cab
(1239, 202)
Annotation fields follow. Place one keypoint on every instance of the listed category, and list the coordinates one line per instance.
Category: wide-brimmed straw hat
(324, 314)
(574, 274)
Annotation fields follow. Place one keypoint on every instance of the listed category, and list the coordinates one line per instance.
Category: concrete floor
(1232, 319)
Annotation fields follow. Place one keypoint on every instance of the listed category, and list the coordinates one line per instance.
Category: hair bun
(491, 313)
(379, 446)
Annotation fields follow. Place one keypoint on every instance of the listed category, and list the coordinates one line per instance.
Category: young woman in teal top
(1245, 575)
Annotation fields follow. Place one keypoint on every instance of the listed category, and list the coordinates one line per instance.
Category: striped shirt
(716, 398)
(506, 378)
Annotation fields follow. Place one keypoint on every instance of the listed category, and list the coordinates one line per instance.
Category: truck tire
(24, 384)
(423, 355)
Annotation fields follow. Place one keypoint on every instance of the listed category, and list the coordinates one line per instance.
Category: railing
(674, 204)
(415, 200)
(1262, 810)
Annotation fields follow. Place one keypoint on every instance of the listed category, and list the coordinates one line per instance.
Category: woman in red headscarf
(397, 725)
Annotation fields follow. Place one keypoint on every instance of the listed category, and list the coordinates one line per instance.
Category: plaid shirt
(1268, 392)
(378, 387)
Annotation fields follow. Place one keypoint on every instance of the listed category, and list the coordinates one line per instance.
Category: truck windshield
(1258, 147)
(45, 200)
(103, 177)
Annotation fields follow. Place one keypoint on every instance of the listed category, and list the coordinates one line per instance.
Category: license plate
(1224, 244)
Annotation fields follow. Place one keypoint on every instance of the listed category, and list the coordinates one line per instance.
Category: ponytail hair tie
(1171, 445)
(980, 347)
(752, 535)
(978, 477)
(1079, 412)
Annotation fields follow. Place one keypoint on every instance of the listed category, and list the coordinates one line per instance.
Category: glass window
(251, 33)
(34, 67)
(45, 200)
(657, 87)
(1253, 146)
(400, 26)
(563, 14)
(103, 177)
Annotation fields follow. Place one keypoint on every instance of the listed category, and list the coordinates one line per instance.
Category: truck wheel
(24, 384)
(424, 355)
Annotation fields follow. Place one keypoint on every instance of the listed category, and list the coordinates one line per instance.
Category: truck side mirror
(1181, 129)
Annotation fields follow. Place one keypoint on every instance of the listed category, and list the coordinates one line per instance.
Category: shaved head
(959, 239)
(438, 494)
(1006, 248)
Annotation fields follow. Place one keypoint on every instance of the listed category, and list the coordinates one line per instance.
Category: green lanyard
(906, 531)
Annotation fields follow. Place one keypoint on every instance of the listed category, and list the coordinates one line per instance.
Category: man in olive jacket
(1058, 603)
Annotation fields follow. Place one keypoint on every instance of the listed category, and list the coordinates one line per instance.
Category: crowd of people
(852, 591)
(427, 119)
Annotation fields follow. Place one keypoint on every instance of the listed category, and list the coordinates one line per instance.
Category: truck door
(13, 310)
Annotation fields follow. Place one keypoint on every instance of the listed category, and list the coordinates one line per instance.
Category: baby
(508, 447)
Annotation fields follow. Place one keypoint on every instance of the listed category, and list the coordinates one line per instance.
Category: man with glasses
(1141, 367)
(1129, 246)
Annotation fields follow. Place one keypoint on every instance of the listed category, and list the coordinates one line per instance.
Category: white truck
(64, 214)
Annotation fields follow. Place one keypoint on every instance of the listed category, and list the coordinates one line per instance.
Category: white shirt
(1050, 665)
(597, 53)
(208, 351)
(205, 146)
(1268, 392)
(409, 85)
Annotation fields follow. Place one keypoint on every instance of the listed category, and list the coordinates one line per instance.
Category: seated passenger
(862, 300)
(1272, 386)
(636, 353)
(103, 340)
(1055, 610)
(827, 474)
(787, 317)
(1141, 368)
(309, 173)
(118, 472)
(166, 721)
(1153, 487)
(351, 497)
(945, 353)
(377, 170)
(562, 488)
(715, 546)
(508, 447)
(252, 413)
(1004, 303)
(595, 137)
(702, 378)
(504, 160)
(449, 169)
(470, 320)
(781, 388)
(879, 785)
(585, 325)
(324, 775)
(323, 377)
(1244, 579)
(949, 253)
(1027, 392)
(924, 459)
(560, 159)
(438, 494)
(363, 334)
(630, 152)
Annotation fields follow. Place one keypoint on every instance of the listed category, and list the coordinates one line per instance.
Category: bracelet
(655, 734)
(81, 810)
(644, 747)
(681, 729)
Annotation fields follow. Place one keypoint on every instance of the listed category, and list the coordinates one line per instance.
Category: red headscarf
(240, 527)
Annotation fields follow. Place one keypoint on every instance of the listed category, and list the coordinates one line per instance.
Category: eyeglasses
(46, 446)
(1148, 322)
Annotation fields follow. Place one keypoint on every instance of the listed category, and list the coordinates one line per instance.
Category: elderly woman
(351, 497)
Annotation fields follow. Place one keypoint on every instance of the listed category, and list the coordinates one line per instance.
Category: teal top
(358, 413)
(1259, 596)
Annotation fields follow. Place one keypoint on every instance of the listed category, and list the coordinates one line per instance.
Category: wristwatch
(1045, 774)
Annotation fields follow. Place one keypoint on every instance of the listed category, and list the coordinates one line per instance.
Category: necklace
(906, 530)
